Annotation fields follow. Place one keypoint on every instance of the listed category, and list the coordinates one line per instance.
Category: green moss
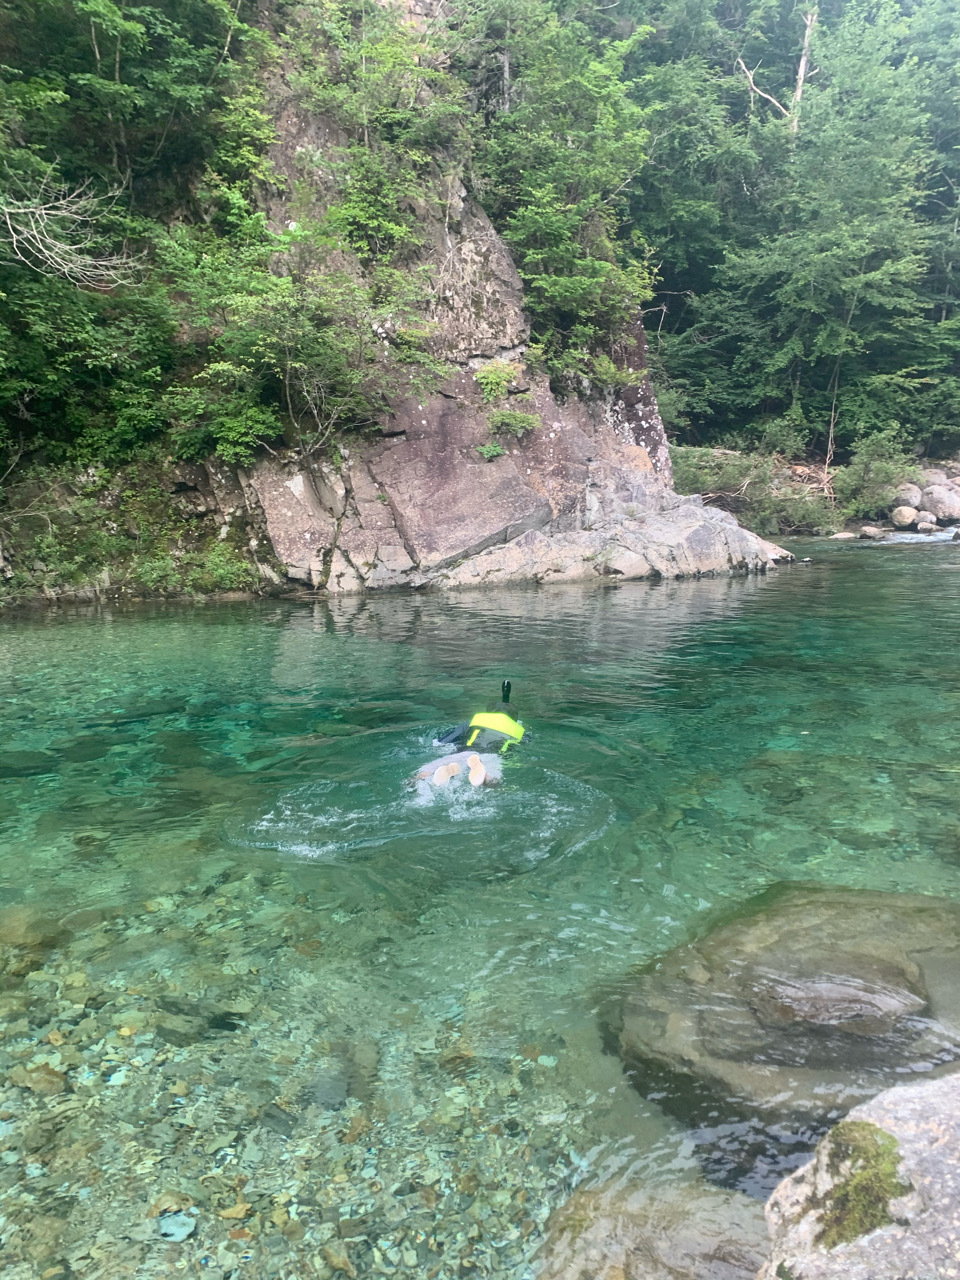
(864, 1159)
(121, 531)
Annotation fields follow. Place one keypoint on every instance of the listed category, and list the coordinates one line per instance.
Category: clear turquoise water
(247, 908)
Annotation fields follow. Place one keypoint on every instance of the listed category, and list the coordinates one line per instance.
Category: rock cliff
(579, 498)
(583, 490)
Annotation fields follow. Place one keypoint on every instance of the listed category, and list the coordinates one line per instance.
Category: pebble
(295, 1131)
(176, 1227)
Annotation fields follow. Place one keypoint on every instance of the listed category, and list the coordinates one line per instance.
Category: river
(254, 978)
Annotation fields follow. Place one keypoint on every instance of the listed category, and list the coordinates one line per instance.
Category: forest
(773, 187)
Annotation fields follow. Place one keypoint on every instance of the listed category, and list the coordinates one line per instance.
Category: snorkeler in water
(490, 733)
(495, 729)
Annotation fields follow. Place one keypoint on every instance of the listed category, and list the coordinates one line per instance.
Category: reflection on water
(328, 1017)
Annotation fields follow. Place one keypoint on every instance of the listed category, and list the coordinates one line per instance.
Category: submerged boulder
(781, 1019)
(880, 1200)
(631, 1232)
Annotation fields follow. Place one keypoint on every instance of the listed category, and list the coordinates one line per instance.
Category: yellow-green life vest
(498, 722)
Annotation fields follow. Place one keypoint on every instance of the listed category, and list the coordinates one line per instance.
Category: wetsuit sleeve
(457, 734)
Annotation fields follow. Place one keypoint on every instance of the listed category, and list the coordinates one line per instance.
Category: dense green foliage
(808, 251)
(770, 495)
(123, 532)
(172, 277)
(156, 302)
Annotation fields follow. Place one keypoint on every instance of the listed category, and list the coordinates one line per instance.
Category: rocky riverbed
(180, 1095)
(926, 507)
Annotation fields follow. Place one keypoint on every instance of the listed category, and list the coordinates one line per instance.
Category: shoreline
(40, 601)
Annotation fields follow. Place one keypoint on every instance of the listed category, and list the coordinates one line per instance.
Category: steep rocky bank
(487, 477)
(584, 495)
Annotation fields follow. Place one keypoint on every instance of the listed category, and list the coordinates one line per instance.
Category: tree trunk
(810, 21)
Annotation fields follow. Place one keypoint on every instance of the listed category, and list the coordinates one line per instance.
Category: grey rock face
(943, 500)
(880, 1200)
(655, 535)
(571, 501)
(478, 308)
(810, 1002)
(299, 527)
(448, 501)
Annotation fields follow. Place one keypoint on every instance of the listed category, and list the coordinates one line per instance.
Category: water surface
(332, 1017)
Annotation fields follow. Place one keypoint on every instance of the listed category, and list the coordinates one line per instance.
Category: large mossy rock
(880, 1200)
(781, 1019)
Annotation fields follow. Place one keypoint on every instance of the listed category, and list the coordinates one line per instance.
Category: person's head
(503, 709)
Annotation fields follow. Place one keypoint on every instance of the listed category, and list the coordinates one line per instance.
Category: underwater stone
(277, 1120)
(631, 1232)
(783, 1017)
(23, 925)
(26, 764)
(176, 1227)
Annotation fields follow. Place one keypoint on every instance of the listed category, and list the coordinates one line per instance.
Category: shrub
(490, 451)
(756, 488)
(221, 568)
(511, 422)
(866, 486)
(157, 573)
(494, 378)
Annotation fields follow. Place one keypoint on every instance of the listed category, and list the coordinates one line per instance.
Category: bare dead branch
(803, 70)
(16, 452)
(759, 92)
(52, 228)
